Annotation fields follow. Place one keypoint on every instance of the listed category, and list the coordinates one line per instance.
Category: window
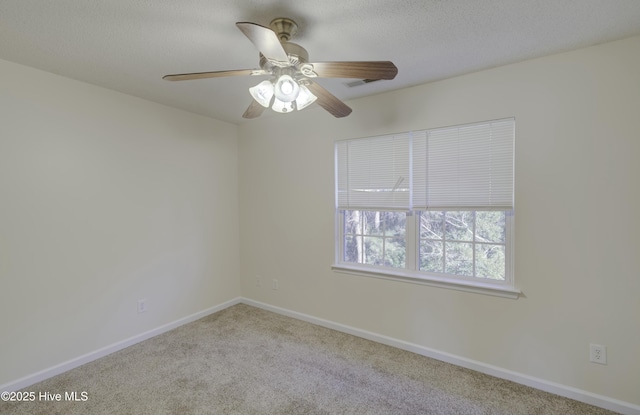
(431, 206)
(463, 243)
(375, 238)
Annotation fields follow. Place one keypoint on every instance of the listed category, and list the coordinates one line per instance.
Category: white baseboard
(112, 348)
(541, 384)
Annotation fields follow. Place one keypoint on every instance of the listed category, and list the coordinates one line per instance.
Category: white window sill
(480, 287)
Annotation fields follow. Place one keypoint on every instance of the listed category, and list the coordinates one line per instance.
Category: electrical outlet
(258, 281)
(274, 284)
(142, 306)
(598, 354)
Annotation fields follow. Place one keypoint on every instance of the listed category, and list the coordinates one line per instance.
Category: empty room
(305, 207)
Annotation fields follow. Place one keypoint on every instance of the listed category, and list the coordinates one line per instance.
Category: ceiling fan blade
(362, 70)
(254, 110)
(265, 40)
(216, 74)
(328, 101)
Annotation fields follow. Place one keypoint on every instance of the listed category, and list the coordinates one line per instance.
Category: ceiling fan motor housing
(296, 53)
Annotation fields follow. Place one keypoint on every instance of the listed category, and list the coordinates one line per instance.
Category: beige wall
(577, 226)
(106, 199)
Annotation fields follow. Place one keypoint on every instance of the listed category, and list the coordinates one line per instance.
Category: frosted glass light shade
(262, 93)
(305, 98)
(286, 89)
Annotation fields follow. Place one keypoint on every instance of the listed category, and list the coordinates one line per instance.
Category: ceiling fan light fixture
(262, 93)
(286, 89)
(305, 98)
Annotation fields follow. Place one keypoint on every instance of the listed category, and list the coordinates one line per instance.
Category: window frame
(412, 274)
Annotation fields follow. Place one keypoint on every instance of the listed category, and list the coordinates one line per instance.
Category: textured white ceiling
(128, 45)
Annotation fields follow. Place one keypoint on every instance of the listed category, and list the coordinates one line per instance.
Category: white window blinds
(374, 173)
(467, 166)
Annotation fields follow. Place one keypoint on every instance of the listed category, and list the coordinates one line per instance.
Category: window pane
(458, 226)
(490, 226)
(490, 261)
(395, 252)
(431, 225)
(395, 223)
(351, 248)
(352, 222)
(375, 238)
(431, 256)
(373, 223)
(459, 258)
(373, 254)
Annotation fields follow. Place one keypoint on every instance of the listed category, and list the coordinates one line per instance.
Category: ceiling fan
(290, 85)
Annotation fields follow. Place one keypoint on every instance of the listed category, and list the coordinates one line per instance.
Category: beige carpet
(244, 360)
